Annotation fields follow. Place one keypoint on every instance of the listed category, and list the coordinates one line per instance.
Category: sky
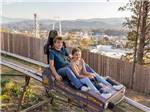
(65, 9)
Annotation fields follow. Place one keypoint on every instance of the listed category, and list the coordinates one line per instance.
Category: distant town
(94, 34)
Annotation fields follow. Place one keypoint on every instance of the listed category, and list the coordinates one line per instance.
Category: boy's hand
(69, 57)
(58, 77)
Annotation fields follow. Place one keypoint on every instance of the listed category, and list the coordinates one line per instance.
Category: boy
(59, 64)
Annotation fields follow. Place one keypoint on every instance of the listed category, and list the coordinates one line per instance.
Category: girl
(78, 67)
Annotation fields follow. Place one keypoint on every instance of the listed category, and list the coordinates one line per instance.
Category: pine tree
(144, 31)
(139, 28)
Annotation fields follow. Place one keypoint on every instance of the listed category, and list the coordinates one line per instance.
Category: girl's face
(77, 55)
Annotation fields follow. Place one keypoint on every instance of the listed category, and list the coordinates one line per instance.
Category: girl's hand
(92, 74)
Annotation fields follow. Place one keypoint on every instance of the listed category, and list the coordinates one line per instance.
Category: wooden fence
(119, 70)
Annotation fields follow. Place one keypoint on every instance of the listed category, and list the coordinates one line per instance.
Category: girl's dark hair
(74, 50)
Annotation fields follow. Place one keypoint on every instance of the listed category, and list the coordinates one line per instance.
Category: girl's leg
(89, 84)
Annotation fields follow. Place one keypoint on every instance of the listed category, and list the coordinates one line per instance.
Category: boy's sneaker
(106, 95)
(84, 88)
(117, 87)
(101, 84)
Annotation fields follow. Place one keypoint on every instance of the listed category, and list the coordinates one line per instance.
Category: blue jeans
(98, 77)
(88, 82)
(67, 72)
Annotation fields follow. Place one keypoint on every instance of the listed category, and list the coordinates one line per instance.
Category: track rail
(38, 76)
(23, 70)
(24, 58)
(137, 105)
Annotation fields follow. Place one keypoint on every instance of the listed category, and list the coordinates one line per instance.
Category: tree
(85, 43)
(139, 28)
(145, 24)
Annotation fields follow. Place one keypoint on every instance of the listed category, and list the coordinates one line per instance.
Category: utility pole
(60, 31)
(59, 22)
(53, 25)
(36, 26)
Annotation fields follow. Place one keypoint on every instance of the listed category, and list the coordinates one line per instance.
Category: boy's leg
(66, 71)
(102, 80)
(89, 69)
(98, 77)
(89, 84)
(111, 82)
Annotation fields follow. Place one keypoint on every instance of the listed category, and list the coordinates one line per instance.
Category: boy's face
(58, 44)
(77, 55)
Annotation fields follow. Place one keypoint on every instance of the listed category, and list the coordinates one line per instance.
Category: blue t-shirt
(59, 57)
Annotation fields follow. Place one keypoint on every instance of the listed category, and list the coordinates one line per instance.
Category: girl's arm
(88, 74)
(74, 69)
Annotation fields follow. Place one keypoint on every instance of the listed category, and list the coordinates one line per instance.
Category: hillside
(67, 25)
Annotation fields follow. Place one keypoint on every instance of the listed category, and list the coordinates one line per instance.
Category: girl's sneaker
(117, 87)
(84, 88)
(106, 95)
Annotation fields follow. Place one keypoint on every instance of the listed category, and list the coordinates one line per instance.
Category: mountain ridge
(80, 24)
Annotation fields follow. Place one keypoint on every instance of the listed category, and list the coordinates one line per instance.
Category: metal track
(23, 70)
(38, 77)
(24, 58)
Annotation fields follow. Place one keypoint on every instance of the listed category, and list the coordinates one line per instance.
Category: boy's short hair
(57, 38)
(74, 50)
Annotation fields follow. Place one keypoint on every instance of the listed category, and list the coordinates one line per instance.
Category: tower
(36, 26)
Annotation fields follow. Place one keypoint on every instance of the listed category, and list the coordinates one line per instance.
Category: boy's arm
(55, 74)
(52, 67)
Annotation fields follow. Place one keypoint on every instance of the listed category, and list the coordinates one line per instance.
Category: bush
(4, 81)
(4, 97)
(9, 85)
(16, 91)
